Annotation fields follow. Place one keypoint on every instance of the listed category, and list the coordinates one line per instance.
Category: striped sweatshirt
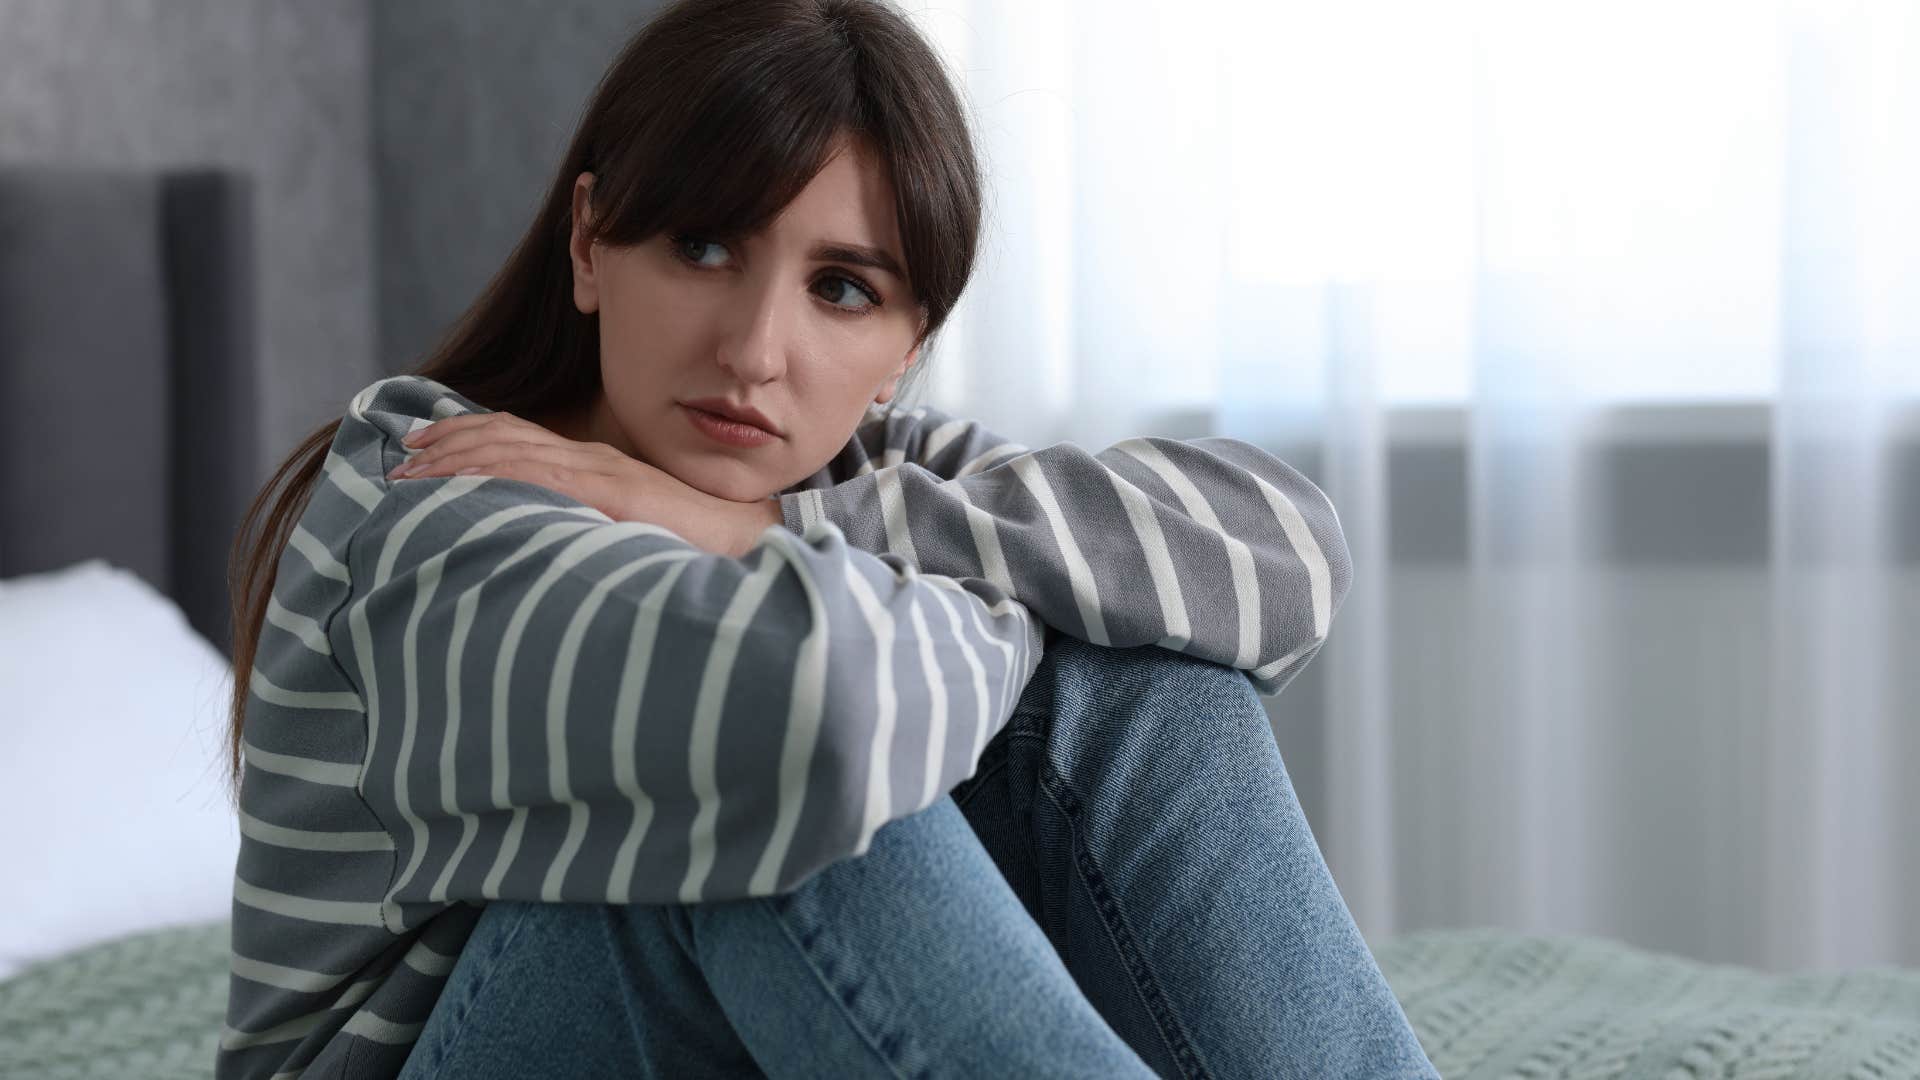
(470, 687)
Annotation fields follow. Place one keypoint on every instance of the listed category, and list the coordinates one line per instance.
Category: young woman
(587, 731)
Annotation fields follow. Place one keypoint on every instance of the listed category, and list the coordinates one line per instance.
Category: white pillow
(113, 809)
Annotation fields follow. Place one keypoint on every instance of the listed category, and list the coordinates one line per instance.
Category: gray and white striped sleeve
(1210, 546)
(561, 707)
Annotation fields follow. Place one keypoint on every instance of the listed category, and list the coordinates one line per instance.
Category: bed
(1485, 1003)
(113, 928)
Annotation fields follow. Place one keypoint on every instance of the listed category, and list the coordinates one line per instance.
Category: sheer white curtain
(1622, 297)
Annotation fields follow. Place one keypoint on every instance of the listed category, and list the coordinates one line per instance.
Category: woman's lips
(730, 432)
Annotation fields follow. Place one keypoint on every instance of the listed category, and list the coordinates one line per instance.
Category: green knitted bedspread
(148, 1005)
(1496, 1003)
(1485, 1003)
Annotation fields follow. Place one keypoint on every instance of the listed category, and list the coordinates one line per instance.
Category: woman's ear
(586, 290)
(886, 392)
(893, 381)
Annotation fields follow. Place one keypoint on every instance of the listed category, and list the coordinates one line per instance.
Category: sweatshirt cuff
(798, 509)
(853, 505)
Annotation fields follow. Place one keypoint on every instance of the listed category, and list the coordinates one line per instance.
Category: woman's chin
(731, 484)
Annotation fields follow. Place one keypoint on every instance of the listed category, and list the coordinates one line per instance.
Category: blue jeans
(1125, 887)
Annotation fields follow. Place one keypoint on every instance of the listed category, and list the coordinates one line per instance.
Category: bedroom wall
(277, 89)
(398, 149)
(473, 104)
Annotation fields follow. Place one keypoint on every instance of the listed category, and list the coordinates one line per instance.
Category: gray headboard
(128, 376)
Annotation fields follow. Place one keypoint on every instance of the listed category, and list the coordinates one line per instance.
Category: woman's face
(768, 321)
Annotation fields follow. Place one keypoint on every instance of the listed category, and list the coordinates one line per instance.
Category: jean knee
(910, 848)
(1146, 692)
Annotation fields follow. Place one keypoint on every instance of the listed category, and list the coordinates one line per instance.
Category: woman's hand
(623, 488)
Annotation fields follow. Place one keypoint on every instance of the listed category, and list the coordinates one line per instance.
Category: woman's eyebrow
(859, 255)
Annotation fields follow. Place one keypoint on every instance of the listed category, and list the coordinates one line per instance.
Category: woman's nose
(758, 350)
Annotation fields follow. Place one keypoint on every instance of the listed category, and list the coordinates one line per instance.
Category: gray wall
(277, 89)
(398, 150)
(473, 104)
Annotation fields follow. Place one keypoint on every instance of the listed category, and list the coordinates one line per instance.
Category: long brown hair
(711, 119)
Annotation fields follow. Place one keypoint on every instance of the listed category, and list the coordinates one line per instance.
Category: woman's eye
(851, 288)
(682, 243)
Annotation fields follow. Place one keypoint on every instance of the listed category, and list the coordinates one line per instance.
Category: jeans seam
(615, 959)
(834, 995)
(1172, 1033)
(456, 1024)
